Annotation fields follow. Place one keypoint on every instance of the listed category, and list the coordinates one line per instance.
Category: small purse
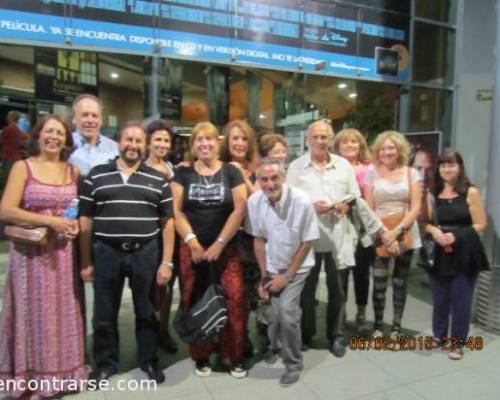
(404, 239)
(31, 235)
(34, 236)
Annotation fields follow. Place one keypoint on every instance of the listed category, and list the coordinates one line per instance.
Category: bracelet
(401, 228)
(167, 264)
(189, 237)
(221, 240)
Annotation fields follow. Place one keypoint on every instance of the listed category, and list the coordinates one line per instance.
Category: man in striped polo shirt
(124, 207)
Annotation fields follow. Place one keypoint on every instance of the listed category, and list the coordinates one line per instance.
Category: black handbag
(206, 318)
(427, 252)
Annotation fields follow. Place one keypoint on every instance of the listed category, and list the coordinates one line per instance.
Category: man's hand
(277, 283)
(263, 293)
(163, 275)
(341, 208)
(321, 207)
(87, 273)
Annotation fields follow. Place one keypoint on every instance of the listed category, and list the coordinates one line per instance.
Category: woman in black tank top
(459, 254)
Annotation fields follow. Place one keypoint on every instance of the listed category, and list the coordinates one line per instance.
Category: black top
(125, 211)
(208, 200)
(467, 255)
(453, 212)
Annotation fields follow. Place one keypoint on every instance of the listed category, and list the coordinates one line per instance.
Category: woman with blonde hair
(351, 144)
(393, 192)
(209, 206)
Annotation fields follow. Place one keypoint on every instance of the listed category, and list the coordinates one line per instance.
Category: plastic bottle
(71, 211)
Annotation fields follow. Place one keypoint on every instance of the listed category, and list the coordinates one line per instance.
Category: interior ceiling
(318, 90)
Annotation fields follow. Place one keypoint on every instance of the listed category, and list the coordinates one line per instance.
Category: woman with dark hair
(459, 256)
(160, 143)
(273, 145)
(239, 147)
(42, 324)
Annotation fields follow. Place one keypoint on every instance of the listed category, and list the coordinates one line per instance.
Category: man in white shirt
(284, 224)
(328, 180)
(92, 148)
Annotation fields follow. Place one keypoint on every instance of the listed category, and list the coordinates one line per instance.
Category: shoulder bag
(206, 318)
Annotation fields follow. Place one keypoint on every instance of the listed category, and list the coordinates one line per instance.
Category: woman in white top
(391, 187)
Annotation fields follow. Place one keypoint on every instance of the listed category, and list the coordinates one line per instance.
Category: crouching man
(284, 224)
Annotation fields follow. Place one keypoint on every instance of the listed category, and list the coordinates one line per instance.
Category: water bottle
(71, 212)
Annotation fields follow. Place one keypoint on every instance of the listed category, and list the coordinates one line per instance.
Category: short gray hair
(323, 122)
(82, 97)
(272, 161)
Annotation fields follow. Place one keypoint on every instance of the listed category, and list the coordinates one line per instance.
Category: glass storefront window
(442, 10)
(431, 110)
(433, 54)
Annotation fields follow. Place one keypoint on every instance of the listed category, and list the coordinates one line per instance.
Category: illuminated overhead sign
(286, 34)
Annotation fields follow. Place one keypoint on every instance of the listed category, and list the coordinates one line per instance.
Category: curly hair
(399, 141)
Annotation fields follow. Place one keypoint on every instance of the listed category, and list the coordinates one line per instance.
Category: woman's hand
(213, 252)
(449, 238)
(73, 230)
(390, 236)
(393, 249)
(197, 251)
(440, 237)
(62, 225)
(163, 275)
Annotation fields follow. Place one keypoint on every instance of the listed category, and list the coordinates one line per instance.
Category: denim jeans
(112, 265)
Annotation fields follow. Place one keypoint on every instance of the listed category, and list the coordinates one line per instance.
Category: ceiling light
(342, 85)
(262, 116)
(114, 75)
(353, 95)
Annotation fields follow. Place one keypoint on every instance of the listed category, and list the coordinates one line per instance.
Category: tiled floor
(360, 375)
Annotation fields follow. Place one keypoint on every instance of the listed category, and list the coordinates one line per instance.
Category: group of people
(236, 206)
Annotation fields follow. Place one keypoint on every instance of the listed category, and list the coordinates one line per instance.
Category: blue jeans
(112, 265)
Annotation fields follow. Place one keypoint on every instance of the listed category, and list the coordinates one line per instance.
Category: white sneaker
(202, 369)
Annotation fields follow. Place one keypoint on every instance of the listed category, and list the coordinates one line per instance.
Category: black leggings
(361, 275)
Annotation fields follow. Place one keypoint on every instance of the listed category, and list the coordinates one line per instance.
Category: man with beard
(284, 224)
(124, 210)
(92, 148)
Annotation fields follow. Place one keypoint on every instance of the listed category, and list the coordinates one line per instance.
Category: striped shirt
(125, 210)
